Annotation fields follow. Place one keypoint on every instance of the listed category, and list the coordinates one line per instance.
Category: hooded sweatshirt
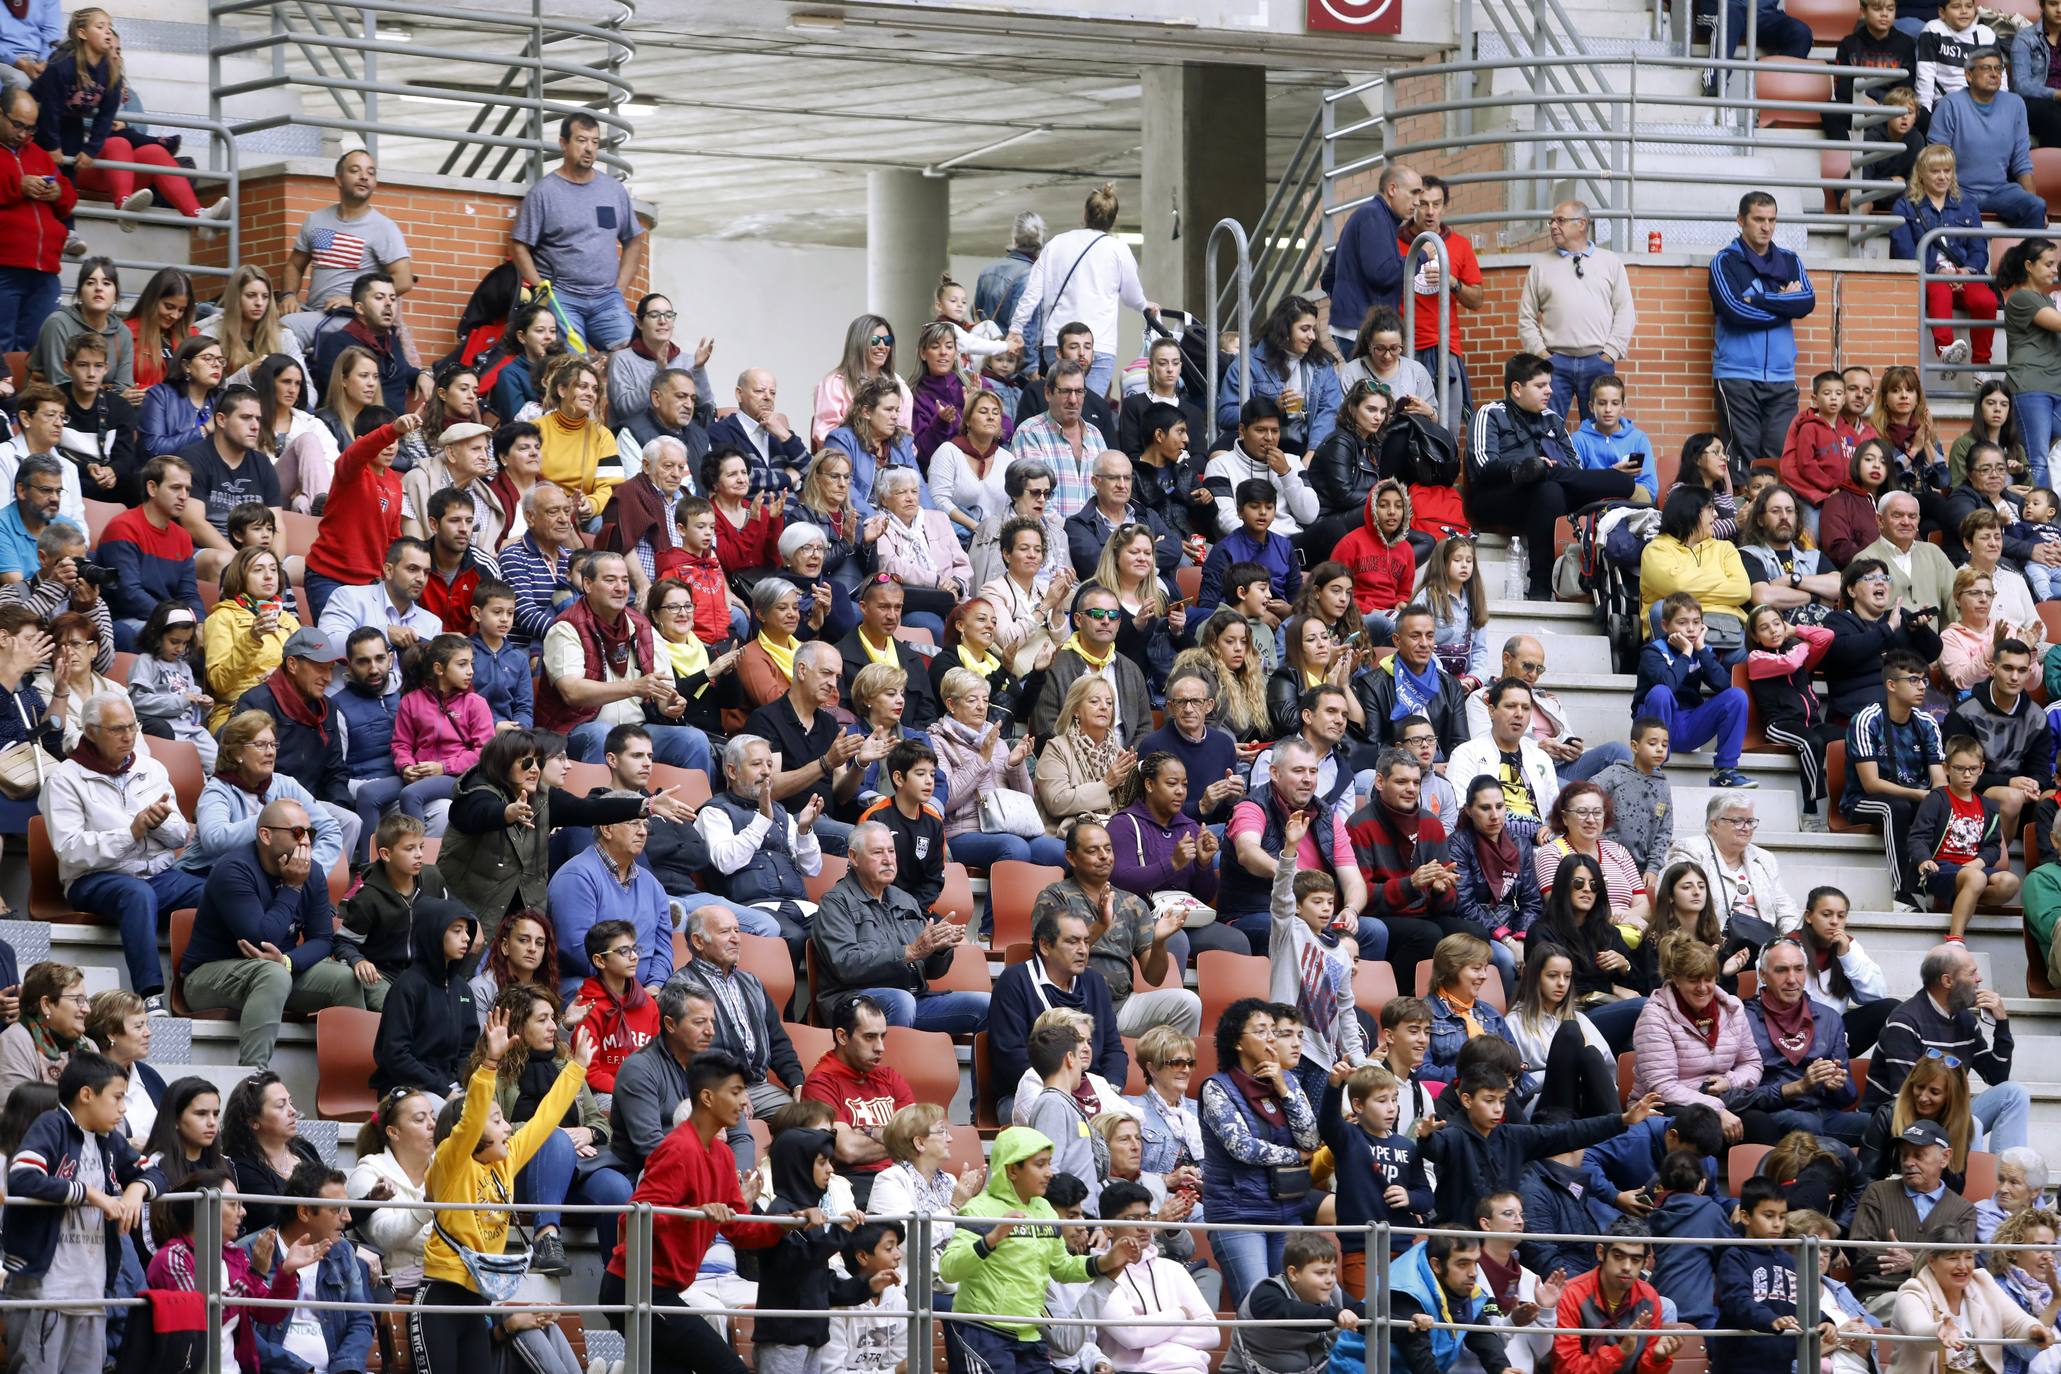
(1011, 1277)
(620, 1028)
(429, 1023)
(375, 920)
(795, 1274)
(1600, 450)
(1384, 567)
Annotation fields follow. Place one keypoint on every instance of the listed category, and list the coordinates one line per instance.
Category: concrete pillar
(1205, 159)
(908, 230)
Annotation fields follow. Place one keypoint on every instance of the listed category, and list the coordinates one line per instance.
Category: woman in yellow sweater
(579, 452)
(1687, 557)
(247, 630)
(478, 1154)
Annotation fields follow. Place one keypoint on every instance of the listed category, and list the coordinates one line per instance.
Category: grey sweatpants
(46, 1341)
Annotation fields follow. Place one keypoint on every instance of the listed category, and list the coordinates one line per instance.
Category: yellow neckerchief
(1080, 646)
(688, 657)
(986, 666)
(1310, 679)
(783, 657)
(884, 654)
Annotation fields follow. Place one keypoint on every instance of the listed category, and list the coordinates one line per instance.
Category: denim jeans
(1100, 373)
(553, 1176)
(125, 633)
(1773, 31)
(1615, 1021)
(2005, 1112)
(377, 794)
(1720, 721)
(2036, 410)
(954, 1013)
(2016, 206)
(1246, 1257)
(984, 850)
(319, 590)
(1572, 378)
(682, 746)
(26, 299)
(603, 320)
(1594, 761)
(2044, 581)
(750, 919)
(136, 906)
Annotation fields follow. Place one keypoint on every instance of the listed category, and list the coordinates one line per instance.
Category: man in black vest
(761, 853)
(880, 615)
(1257, 832)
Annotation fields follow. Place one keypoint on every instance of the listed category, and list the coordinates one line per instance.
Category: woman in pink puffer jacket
(1693, 1043)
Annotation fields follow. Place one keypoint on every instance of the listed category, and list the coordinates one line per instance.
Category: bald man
(1366, 269)
(774, 452)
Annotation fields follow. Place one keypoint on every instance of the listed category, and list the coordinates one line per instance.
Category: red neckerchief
(295, 707)
(88, 757)
(637, 347)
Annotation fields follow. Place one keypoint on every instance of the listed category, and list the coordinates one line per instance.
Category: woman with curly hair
(1224, 649)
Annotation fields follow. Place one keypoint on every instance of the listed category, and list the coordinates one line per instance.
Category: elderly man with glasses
(1745, 879)
(264, 935)
(1806, 1083)
(1216, 779)
(1576, 310)
(1089, 528)
(117, 830)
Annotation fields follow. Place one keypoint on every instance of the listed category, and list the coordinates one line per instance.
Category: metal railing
(1430, 245)
(639, 1310)
(1938, 377)
(512, 75)
(1242, 284)
(226, 171)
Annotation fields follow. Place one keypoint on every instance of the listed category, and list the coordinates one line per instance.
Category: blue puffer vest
(1238, 1191)
(772, 875)
(368, 731)
(1243, 893)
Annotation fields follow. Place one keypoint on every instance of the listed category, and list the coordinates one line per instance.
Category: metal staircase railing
(507, 78)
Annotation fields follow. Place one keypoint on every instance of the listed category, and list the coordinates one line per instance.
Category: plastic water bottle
(1514, 573)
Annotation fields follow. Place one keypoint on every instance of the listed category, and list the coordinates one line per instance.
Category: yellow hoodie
(455, 1176)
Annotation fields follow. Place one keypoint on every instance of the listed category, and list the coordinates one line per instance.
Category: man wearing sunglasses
(1092, 649)
(264, 935)
(1872, 626)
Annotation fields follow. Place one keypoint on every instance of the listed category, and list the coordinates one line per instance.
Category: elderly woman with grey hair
(2021, 1184)
(765, 669)
(1745, 879)
(917, 548)
(827, 612)
(1029, 484)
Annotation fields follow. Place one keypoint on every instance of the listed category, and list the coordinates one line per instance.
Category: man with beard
(1410, 876)
(1412, 682)
(1944, 1019)
(375, 316)
(1784, 574)
(457, 562)
(1257, 833)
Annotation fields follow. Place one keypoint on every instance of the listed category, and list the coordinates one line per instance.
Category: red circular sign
(1355, 16)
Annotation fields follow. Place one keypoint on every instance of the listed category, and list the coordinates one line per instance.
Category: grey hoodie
(46, 359)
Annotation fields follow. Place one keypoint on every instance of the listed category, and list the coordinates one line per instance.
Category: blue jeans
(954, 1013)
(1100, 373)
(137, 905)
(1721, 719)
(125, 632)
(1246, 1257)
(982, 850)
(2044, 581)
(1572, 378)
(1774, 31)
(319, 590)
(2005, 1112)
(2016, 206)
(2036, 410)
(1594, 761)
(372, 800)
(26, 299)
(682, 746)
(553, 1176)
(603, 320)
(834, 836)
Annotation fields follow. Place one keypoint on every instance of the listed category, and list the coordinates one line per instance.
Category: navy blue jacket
(243, 902)
(1020, 999)
(1471, 1165)
(1206, 762)
(368, 721)
(46, 1168)
(1366, 1168)
(1687, 1273)
(1628, 1161)
(340, 1277)
(1366, 269)
(1523, 904)
(1828, 1041)
(1688, 676)
(783, 474)
(1755, 1286)
(505, 681)
(1551, 1207)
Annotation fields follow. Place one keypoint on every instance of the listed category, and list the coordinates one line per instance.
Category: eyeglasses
(1099, 613)
(530, 761)
(77, 999)
(621, 952)
(1568, 219)
(662, 316)
(22, 126)
(1424, 739)
(882, 341)
(1178, 702)
(1739, 822)
(297, 832)
(1530, 669)
(676, 608)
(1882, 578)
(1908, 677)
(1943, 1057)
(1586, 813)
(1386, 350)
(1177, 1063)
(1071, 393)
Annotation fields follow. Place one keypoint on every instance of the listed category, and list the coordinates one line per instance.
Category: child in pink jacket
(441, 724)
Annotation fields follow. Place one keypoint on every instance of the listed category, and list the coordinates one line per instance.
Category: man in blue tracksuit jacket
(1758, 292)
(1366, 269)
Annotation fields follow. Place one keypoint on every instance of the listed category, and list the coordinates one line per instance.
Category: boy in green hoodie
(1003, 1266)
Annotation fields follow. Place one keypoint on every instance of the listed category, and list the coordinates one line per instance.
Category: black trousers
(2043, 120)
(1534, 510)
(1864, 1024)
(682, 1344)
(1578, 1077)
(453, 1345)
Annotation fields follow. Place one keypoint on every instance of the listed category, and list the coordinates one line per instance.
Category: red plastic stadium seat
(1791, 78)
(344, 1063)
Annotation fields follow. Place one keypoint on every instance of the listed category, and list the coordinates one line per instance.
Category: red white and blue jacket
(46, 1169)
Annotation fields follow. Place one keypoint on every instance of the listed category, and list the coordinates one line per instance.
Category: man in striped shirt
(537, 564)
(1944, 1021)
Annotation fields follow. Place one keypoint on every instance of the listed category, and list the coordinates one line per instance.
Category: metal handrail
(229, 173)
(524, 89)
(1930, 367)
(1430, 245)
(1209, 291)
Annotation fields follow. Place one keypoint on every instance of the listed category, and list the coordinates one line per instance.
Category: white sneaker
(1955, 353)
(1814, 824)
(220, 211)
(74, 246)
(135, 201)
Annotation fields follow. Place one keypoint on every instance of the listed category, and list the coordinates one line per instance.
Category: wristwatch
(1795, 578)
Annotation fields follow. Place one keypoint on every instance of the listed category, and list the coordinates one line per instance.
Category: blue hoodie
(1755, 315)
(1688, 1273)
(1755, 1286)
(1600, 450)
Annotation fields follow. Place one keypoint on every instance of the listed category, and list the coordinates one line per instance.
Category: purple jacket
(431, 729)
(1145, 854)
(1673, 1059)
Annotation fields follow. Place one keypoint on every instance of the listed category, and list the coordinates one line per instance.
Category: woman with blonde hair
(1968, 647)
(1224, 650)
(2028, 1277)
(825, 501)
(1934, 200)
(975, 760)
(1809, 1175)
(1935, 1090)
(248, 326)
(1153, 622)
(1172, 1131)
(969, 468)
(1084, 274)
(1963, 1315)
(245, 634)
(1085, 761)
(869, 355)
(352, 385)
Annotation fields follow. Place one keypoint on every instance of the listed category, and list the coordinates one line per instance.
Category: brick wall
(457, 232)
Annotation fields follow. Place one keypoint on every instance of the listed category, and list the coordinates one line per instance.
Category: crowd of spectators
(1222, 667)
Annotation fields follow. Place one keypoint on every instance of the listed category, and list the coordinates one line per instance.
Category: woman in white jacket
(1742, 874)
(1150, 1290)
(1841, 975)
(1954, 1301)
(393, 1163)
(918, 1142)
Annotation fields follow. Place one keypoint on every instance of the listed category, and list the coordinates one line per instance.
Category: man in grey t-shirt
(338, 244)
(568, 231)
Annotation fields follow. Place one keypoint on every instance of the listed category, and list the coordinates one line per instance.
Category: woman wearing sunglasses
(496, 855)
(1935, 1090)
(869, 352)
(1576, 922)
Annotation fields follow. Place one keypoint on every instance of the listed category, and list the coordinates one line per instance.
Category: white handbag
(1005, 811)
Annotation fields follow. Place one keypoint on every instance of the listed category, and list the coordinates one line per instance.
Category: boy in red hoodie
(718, 614)
(622, 1015)
(1383, 565)
(1820, 446)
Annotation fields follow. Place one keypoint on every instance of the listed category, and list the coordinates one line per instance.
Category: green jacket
(2042, 902)
(1012, 1278)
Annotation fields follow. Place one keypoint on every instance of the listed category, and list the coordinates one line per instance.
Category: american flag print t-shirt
(340, 251)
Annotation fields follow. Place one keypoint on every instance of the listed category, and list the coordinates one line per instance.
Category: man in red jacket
(693, 1167)
(34, 203)
(1612, 1297)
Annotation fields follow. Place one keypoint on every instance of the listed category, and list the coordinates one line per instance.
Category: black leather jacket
(1344, 469)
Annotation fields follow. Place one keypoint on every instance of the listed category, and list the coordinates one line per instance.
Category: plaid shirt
(1041, 438)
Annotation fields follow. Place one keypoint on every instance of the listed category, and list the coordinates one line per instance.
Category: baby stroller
(1610, 540)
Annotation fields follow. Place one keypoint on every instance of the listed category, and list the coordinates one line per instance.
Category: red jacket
(1582, 1306)
(1384, 571)
(32, 232)
(863, 1103)
(1815, 457)
(363, 514)
(619, 1030)
(684, 1172)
